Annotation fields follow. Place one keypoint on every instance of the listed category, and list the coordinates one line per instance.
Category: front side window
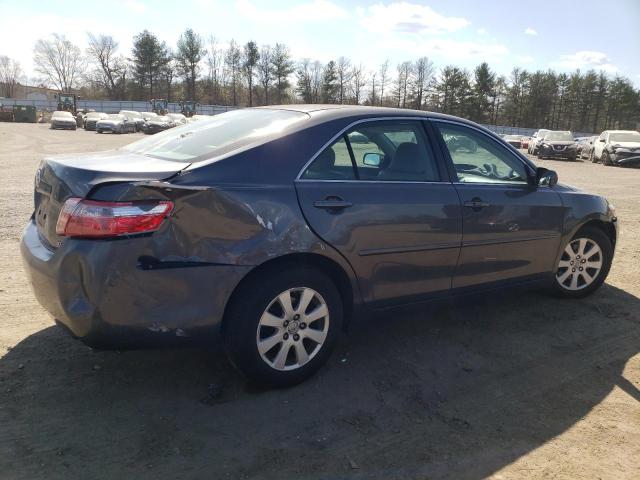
(477, 158)
(380, 151)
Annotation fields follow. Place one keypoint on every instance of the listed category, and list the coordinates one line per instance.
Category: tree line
(207, 71)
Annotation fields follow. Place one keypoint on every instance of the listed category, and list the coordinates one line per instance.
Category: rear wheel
(584, 264)
(282, 326)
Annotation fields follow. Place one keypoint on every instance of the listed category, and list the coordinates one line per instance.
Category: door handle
(476, 204)
(332, 203)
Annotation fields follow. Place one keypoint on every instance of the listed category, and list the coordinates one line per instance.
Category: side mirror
(544, 176)
(372, 159)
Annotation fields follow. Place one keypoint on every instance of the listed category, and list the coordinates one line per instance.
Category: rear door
(511, 228)
(378, 195)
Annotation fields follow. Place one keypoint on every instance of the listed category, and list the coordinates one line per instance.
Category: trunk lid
(74, 175)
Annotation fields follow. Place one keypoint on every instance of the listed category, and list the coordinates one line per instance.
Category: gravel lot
(521, 387)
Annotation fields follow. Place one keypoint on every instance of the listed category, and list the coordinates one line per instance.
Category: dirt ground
(520, 387)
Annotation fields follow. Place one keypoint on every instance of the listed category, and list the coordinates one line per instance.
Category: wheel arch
(606, 227)
(347, 288)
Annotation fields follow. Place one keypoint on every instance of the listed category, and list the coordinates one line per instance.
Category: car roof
(320, 113)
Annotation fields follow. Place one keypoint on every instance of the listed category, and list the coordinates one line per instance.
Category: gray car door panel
(402, 239)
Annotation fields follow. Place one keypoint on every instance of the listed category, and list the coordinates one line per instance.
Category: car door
(378, 195)
(511, 227)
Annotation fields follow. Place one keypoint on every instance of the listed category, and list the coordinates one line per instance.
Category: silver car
(116, 123)
(63, 120)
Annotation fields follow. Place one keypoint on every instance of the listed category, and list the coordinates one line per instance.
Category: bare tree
(233, 60)
(59, 60)
(316, 81)
(359, 80)
(402, 83)
(372, 98)
(421, 78)
(214, 64)
(110, 69)
(265, 70)
(343, 69)
(383, 79)
(10, 73)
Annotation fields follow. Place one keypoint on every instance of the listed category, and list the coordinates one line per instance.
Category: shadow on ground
(453, 393)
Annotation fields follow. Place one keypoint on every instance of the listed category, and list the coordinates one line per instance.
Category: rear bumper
(100, 293)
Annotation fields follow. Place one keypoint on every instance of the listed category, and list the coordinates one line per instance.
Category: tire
(540, 157)
(582, 245)
(592, 157)
(606, 159)
(258, 302)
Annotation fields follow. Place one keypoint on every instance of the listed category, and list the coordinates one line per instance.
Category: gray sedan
(277, 227)
(116, 123)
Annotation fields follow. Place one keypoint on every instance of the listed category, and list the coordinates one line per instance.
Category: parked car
(136, 116)
(617, 147)
(557, 144)
(177, 118)
(116, 123)
(63, 120)
(149, 115)
(536, 138)
(267, 226)
(584, 146)
(515, 140)
(157, 124)
(92, 118)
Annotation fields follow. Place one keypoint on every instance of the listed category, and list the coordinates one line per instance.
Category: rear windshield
(624, 137)
(216, 135)
(559, 136)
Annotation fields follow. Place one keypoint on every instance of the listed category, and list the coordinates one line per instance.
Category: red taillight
(95, 219)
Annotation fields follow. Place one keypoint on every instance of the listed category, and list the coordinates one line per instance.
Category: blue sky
(542, 34)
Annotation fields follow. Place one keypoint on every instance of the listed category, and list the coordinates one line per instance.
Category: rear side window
(380, 151)
(217, 135)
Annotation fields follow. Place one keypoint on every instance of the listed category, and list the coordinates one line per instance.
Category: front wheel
(606, 159)
(282, 325)
(584, 264)
(592, 157)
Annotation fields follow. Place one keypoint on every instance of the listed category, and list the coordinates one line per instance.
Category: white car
(536, 138)
(63, 120)
(617, 147)
(177, 118)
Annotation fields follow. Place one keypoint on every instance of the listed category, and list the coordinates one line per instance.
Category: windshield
(92, 115)
(624, 137)
(62, 115)
(131, 113)
(160, 119)
(217, 135)
(559, 136)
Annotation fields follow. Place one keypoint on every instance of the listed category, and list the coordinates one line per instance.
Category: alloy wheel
(293, 328)
(579, 265)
